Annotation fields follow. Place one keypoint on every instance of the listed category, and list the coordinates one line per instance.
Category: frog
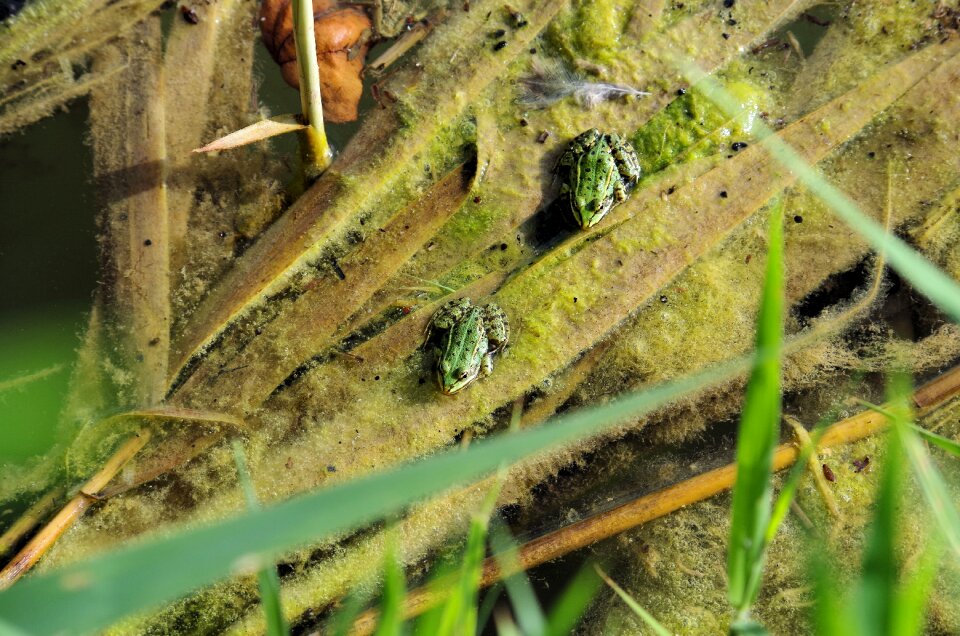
(469, 336)
(597, 171)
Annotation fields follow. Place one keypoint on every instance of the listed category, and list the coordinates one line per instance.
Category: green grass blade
(910, 608)
(923, 275)
(831, 615)
(486, 607)
(933, 486)
(526, 607)
(269, 583)
(459, 614)
(343, 620)
(505, 625)
(198, 556)
(875, 592)
(267, 577)
(758, 434)
(576, 597)
(781, 505)
(394, 592)
(747, 627)
(439, 583)
(788, 491)
(931, 482)
(6, 629)
(644, 615)
(945, 443)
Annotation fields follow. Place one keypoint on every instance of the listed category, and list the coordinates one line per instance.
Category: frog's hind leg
(498, 330)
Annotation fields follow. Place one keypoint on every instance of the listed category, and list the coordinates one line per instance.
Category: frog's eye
(464, 375)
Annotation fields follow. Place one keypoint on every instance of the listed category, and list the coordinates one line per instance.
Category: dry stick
(658, 504)
(403, 44)
(813, 463)
(39, 544)
(139, 243)
(96, 488)
(28, 520)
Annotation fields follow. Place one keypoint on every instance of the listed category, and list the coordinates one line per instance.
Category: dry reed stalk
(33, 516)
(41, 542)
(662, 502)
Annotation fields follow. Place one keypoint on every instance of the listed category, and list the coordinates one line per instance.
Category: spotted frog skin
(468, 337)
(596, 171)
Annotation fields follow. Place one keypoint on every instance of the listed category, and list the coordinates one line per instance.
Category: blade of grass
(6, 629)
(505, 624)
(876, 590)
(201, 555)
(914, 593)
(263, 129)
(758, 435)
(349, 610)
(486, 607)
(459, 612)
(23, 380)
(945, 443)
(651, 622)
(932, 484)
(394, 591)
(567, 610)
(267, 577)
(657, 504)
(831, 616)
(781, 505)
(439, 585)
(526, 607)
(459, 615)
(789, 488)
(926, 277)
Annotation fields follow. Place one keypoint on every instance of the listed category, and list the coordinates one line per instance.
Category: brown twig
(29, 520)
(39, 544)
(658, 504)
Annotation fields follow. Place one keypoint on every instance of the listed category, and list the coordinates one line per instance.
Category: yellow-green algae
(862, 37)
(44, 52)
(675, 567)
(692, 127)
(300, 433)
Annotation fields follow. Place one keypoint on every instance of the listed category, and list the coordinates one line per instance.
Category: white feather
(548, 84)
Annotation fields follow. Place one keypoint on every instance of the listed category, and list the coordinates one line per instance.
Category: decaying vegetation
(235, 312)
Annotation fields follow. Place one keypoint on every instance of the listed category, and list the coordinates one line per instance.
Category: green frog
(597, 169)
(469, 336)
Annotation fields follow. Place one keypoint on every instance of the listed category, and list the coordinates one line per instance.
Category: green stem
(316, 152)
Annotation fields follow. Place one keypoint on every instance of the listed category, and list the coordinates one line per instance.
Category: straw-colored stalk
(663, 502)
(316, 152)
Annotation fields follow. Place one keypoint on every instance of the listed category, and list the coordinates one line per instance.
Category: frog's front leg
(447, 316)
(450, 313)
